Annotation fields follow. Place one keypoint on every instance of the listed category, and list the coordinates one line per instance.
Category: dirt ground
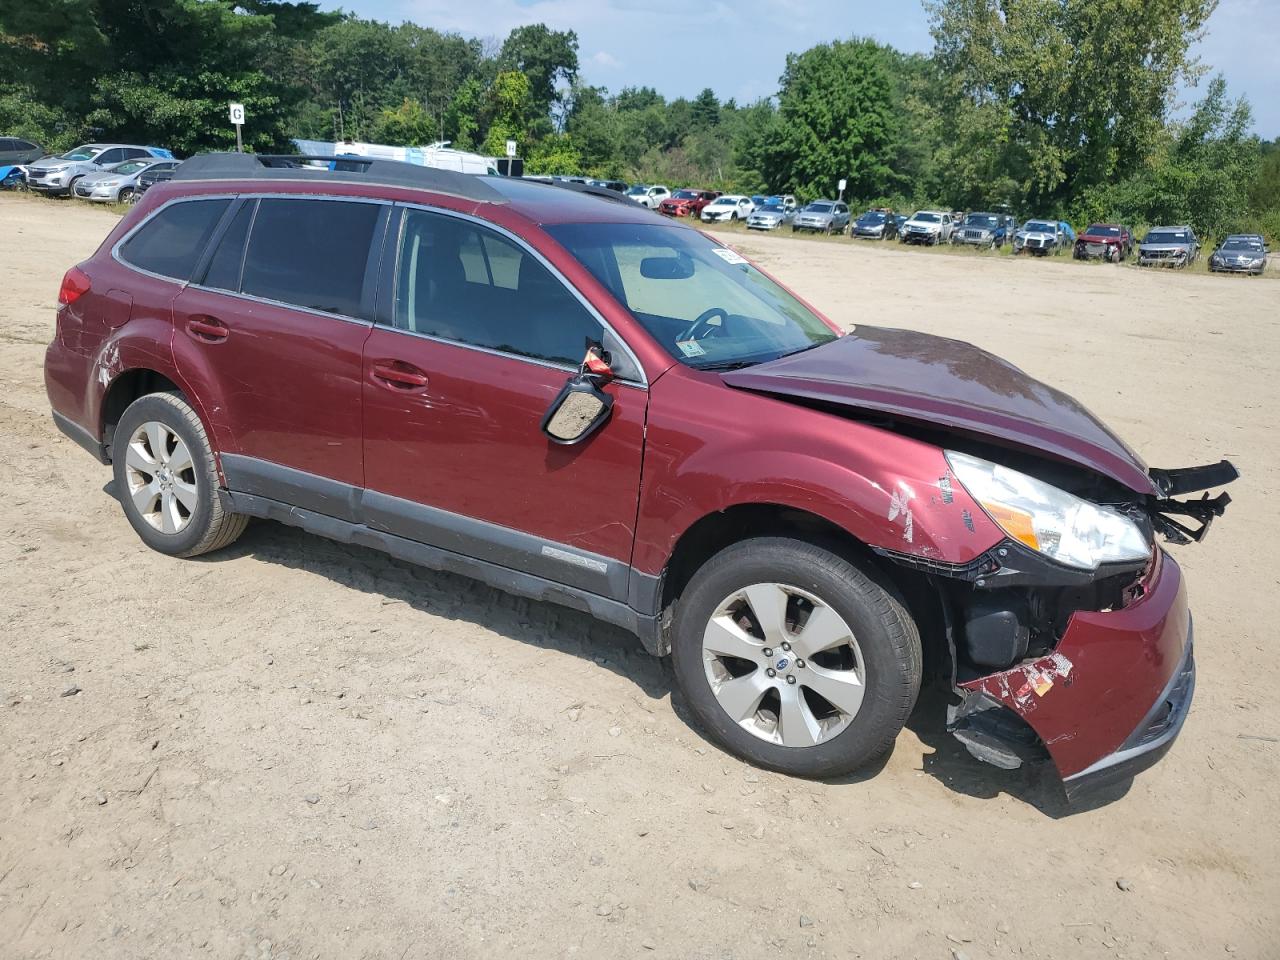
(298, 748)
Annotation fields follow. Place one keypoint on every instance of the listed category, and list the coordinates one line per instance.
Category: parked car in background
(928, 227)
(58, 175)
(981, 230)
(153, 175)
(728, 207)
(118, 184)
(786, 199)
(687, 203)
(1168, 247)
(770, 216)
(810, 523)
(1240, 253)
(648, 196)
(618, 186)
(1109, 241)
(1041, 238)
(16, 152)
(822, 216)
(879, 224)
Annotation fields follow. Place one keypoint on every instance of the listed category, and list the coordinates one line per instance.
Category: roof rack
(348, 169)
(590, 189)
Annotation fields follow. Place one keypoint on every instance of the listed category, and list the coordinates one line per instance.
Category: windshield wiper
(728, 365)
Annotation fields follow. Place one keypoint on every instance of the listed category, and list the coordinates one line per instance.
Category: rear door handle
(399, 376)
(207, 329)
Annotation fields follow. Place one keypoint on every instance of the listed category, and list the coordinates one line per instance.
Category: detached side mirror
(579, 409)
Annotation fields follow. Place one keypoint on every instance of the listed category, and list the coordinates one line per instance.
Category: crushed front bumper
(1111, 698)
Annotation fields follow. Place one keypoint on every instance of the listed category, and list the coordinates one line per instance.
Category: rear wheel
(166, 480)
(794, 658)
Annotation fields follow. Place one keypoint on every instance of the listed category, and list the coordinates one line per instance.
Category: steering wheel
(696, 331)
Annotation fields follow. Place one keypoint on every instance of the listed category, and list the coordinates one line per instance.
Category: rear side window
(171, 242)
(224, 266)
(310, 253)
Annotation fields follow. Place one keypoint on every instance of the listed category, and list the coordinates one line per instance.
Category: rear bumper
(1109, 701)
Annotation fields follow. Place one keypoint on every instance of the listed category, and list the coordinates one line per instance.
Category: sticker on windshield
(691, 348)
(729, 256)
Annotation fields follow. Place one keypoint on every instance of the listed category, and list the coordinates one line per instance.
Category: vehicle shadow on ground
(1035, 784)
(539, 623)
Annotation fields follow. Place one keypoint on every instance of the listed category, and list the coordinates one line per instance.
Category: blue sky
(737, 47)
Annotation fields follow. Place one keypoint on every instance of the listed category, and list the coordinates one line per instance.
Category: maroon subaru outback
(577, 400)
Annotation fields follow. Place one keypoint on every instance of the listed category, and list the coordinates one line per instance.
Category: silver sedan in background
(119, 183)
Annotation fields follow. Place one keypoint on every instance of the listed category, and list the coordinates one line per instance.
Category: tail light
(75, 284)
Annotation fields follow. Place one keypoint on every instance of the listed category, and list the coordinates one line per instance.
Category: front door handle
(207, 329)
(399, 376)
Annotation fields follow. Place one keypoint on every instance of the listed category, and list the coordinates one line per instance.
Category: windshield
(1250, 245)
(1101, 230)
(819, 206)
(686, 195)
(872, 216)
(725, 201)
(637, 191)
(704, 303)
(1167, 236)
(927, 218)
(131, 166)
(1039, 226)
(772, 208)
(981, 220)
(80, 153)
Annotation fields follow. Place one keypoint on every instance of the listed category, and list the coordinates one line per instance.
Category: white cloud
(603, 58)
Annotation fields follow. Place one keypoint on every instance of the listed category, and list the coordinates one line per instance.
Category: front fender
(710, 447)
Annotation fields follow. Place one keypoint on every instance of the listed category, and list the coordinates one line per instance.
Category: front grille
(1158, 254)
(1037, 242)
(1095, 249)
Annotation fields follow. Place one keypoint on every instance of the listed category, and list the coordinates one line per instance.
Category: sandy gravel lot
(298, 748)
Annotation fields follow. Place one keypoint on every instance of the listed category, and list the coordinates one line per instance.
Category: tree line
(1049, 107)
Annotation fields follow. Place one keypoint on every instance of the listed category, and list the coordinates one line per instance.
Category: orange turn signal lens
(1015, 523)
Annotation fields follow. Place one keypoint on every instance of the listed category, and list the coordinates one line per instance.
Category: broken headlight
(1058, 524)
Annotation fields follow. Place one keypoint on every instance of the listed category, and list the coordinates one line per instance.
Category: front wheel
(166, 480)
(126, 195)
(794, 658)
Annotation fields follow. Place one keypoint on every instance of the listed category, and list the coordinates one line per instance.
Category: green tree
(706, 109)
(1063, 95)
(509, 102)
(546, 57)
(836, 119)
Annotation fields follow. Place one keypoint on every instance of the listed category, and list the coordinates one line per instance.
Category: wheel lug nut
(772, 672)
(767, 652)
(791, 679)
(799, 663)
(786, 646)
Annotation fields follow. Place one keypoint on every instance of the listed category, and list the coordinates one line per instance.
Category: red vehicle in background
(687, 203)
(1110, 241)
(551, 390)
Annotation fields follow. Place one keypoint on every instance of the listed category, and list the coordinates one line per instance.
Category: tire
(184, 514)
(883, 652)
(125, 195)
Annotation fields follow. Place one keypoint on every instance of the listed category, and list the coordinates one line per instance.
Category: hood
(1156, 247)
(1098, 238)
(51, 163)
(813, 215)
(948, 383)
(926, 224)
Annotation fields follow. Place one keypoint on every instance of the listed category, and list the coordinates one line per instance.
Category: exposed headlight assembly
(1058, 524)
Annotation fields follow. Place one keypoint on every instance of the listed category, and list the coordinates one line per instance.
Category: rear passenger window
(224, 266)
(462, 282)
(310, 253)
(171, 242)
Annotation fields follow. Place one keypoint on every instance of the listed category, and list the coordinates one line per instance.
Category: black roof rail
(347, 169)
(590, 189)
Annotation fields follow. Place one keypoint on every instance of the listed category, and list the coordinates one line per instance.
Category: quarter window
(462, 282)
(310, 253)
(171, 242)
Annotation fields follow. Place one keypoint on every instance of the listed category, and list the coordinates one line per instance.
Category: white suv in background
(648, 196)
(927, 226)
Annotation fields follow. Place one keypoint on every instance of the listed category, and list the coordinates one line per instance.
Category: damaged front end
(1091, 668)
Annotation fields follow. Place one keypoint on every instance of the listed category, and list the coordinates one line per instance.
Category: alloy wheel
(783, 665)
(160, 474)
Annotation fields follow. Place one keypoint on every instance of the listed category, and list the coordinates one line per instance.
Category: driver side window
(459, 281)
